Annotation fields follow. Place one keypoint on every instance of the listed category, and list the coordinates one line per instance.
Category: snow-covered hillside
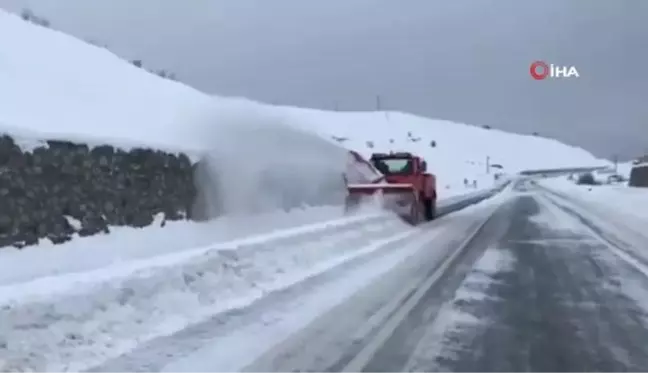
(454, 151)
(57, 86)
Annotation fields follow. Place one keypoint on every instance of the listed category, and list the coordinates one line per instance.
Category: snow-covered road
(82, 315)
(541, 287)
(250, 333)
(525, 282)
(550, 295)
(531, 279)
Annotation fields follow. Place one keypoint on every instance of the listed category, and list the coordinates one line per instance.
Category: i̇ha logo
(541, 70)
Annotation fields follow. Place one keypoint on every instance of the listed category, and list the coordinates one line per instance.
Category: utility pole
(487, 164)
(379, 107)
(615, 159)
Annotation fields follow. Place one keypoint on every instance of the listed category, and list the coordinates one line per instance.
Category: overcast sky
(462, 60)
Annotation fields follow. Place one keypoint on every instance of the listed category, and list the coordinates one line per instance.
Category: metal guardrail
(565, 170)
(460, 202)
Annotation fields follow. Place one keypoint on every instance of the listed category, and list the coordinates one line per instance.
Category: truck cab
(398, 165)
(405, 168)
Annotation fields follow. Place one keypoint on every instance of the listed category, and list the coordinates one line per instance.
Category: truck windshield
(390, 166)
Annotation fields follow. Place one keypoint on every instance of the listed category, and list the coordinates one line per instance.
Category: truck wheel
(417, 214)
(422, 216)
(430, 209)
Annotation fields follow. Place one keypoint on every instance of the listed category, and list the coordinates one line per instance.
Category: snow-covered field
(67, 304)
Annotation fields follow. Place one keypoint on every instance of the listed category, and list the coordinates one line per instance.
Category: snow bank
(621, 201)
(79, 320)
(616, 215)
(126, 244)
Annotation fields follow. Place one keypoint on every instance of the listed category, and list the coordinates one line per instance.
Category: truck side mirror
(423, 166)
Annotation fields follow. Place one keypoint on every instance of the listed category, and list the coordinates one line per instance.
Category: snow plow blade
(401, 199)
(368, 189)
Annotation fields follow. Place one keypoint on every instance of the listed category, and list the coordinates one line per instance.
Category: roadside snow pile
(622, 199)
(616, 211)
(79, 320)
(617, 203)
(125, 244)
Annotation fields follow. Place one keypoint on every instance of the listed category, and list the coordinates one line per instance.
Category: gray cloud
(463, 60)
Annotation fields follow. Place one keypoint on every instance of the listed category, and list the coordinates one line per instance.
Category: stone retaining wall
(62, 188)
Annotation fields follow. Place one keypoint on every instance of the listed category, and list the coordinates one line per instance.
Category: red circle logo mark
(539, 70)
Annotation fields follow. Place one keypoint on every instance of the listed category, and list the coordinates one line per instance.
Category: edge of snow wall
(639, 175)
(59, 189)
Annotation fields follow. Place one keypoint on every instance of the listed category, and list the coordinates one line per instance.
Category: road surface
(534, 287)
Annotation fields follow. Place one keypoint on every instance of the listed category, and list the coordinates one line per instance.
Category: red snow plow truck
(403, 186)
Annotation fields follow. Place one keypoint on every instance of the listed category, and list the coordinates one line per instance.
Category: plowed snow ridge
(79, 320)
